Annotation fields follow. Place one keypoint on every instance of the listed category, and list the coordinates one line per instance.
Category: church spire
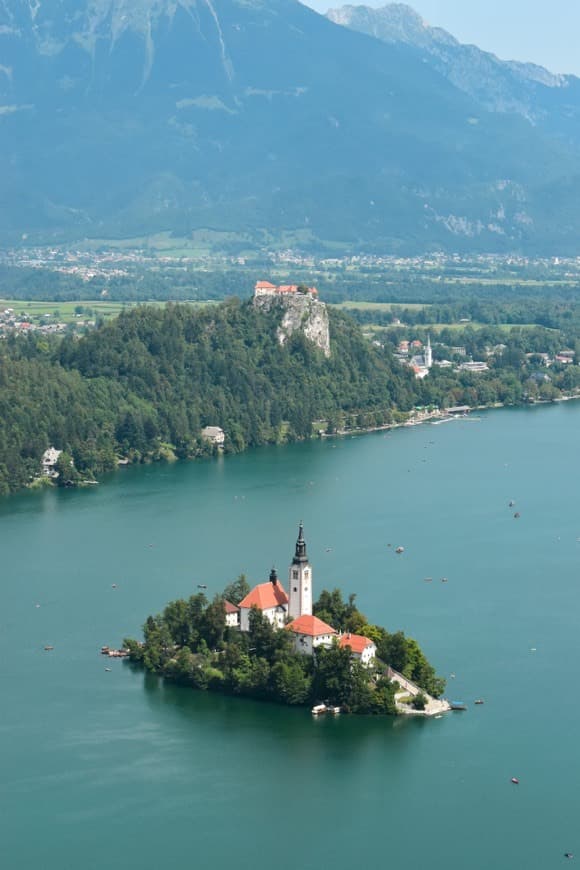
(300, 554)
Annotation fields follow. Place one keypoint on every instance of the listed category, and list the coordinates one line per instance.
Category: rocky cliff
(299, 312)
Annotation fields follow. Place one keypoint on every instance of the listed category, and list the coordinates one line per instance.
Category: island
(274, 644)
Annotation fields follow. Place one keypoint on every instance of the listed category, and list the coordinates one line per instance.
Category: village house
(362, 648)
(214, 435)
(49, 460)
(309, 633)
(232, 615)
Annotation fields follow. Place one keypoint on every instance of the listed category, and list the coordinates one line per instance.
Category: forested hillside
(144, 385)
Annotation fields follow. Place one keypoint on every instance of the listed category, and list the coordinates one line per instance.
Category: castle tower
(428, 354)
(300, 580)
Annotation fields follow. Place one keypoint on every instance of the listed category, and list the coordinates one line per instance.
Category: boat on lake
(318, 709)
(458, 705)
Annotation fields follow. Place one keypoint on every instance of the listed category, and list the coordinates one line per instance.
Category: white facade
(49, 460)
(362, 649)
(306, 644)
(275, 615)
(214, 435)
(300, 583)
(428, 355)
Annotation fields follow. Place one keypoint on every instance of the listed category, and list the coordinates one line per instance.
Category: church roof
(357, 642)
(310, 625)
(264, 596)
(230, 608)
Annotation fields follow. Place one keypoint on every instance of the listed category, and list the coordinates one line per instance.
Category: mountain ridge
(263, 119)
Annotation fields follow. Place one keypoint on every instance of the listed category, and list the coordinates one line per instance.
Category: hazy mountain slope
(129, 116)
(549, 100)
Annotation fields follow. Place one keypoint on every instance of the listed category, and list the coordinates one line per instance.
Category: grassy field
(379, 306)
(70, 312)
(436, 328)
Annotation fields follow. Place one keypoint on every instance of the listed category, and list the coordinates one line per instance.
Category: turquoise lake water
(115, 770)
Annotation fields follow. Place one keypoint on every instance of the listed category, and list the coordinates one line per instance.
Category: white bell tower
(300, 580)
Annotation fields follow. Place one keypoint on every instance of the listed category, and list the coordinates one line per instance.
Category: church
(292, 611)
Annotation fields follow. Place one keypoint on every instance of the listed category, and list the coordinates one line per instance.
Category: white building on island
(270, 598)
(361, 648)
(293, 610)
(309, 633)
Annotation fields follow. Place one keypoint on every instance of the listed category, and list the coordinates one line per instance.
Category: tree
(237, 590)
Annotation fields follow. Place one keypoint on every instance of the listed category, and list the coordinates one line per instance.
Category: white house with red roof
(362, 648)
(309, 633)
(270, 598)
(232, 615)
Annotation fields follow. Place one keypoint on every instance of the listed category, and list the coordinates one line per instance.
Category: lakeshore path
(434, 706)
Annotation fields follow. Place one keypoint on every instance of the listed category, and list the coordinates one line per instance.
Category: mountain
(544, 98)
(265, 121)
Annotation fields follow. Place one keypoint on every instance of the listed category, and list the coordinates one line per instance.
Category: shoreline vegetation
(189, 644)
(142, 387)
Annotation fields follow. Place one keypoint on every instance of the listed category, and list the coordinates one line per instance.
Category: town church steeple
(300, 580)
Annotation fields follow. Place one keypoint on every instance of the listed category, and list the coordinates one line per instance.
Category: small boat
(479, 701)
(335, 710)
(458, 705)
(517, 515)
(444, 579)
(48, 648)
(113, 585)
(318, 709)
(438, 716)
(515, 780)
(202, 586)
(108, 669)
(428, 579)
(568, 854)
(399, 550)
(512, 503)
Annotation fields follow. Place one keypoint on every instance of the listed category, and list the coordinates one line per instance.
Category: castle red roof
(230, 608)
(357, 642)
(310, 625)
(264, 596)
(265, 285)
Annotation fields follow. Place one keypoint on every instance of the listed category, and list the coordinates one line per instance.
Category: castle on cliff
(264, 288)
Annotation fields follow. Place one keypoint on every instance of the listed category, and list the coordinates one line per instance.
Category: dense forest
(190, 644)
(143, 386)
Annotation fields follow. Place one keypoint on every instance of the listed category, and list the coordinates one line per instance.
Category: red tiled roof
(357, 642)
(264, 596)
(310, 625)
(230, 608)
(265, 285)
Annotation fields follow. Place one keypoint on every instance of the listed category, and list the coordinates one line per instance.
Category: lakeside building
(214, 435)
(292, 611)
(49, 460)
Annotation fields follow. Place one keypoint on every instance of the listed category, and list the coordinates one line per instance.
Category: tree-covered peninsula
(143, 386)
(190, 644)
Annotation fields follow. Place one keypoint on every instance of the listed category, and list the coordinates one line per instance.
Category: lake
(115, 770)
